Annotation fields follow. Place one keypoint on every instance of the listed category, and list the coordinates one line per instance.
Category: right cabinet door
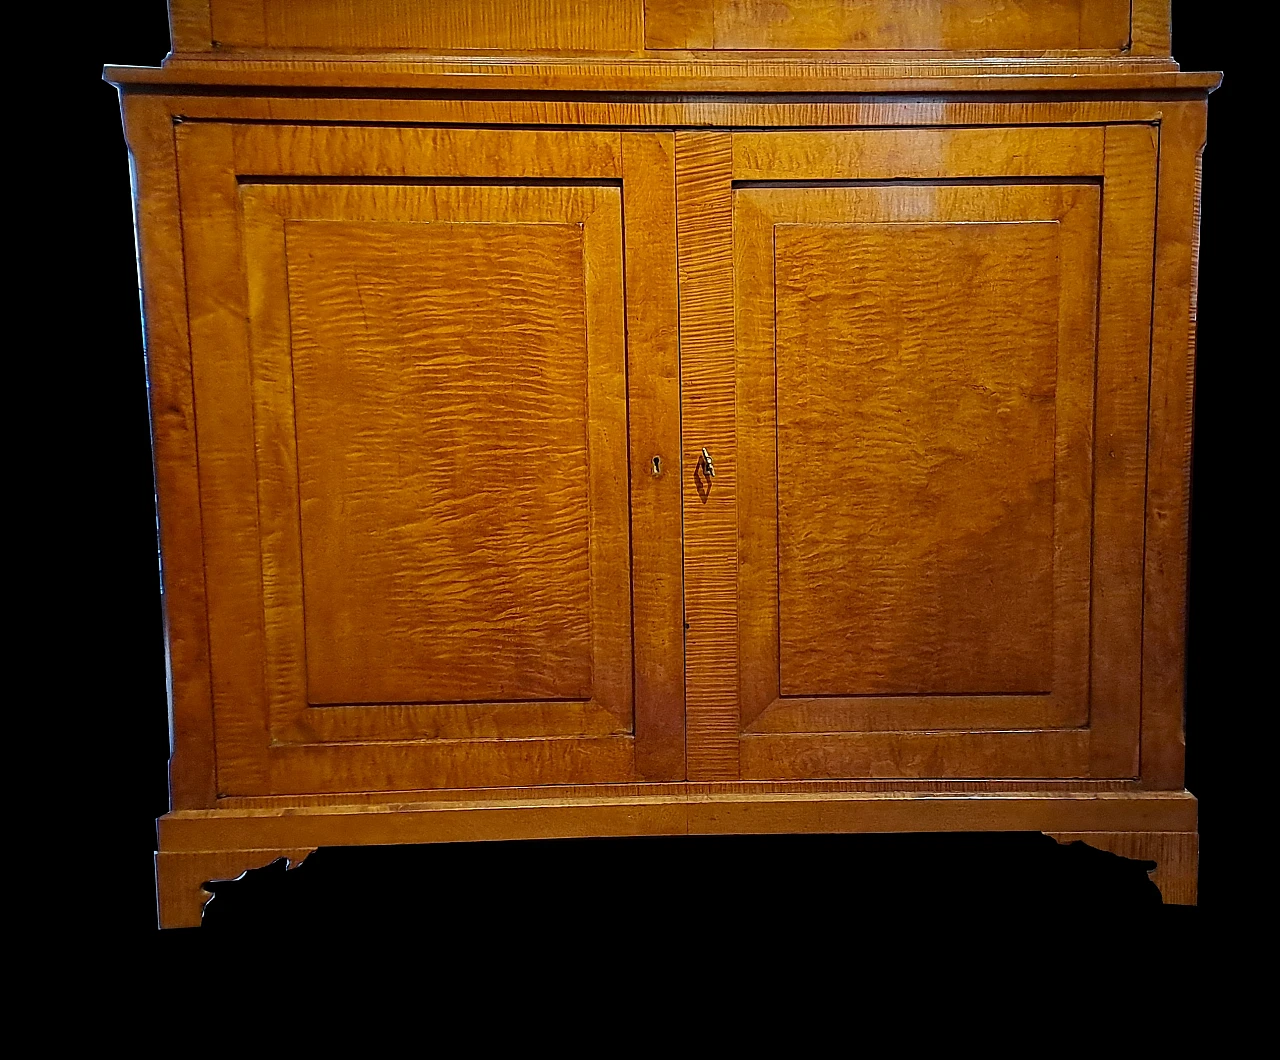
(942, 346)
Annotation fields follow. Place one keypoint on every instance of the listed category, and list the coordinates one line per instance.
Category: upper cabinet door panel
(941, 345)
(889, 25)
(417, 509)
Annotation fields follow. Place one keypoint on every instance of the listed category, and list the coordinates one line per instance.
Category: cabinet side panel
(705, 233)
(1120, 446)
(1182, 138)
(149, 130)
(221, 381)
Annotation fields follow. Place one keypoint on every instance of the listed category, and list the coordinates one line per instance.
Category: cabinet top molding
(673, 45)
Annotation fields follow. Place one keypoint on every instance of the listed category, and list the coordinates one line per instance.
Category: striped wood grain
(889, 25)
(1168, 501)
(705, 234)
(653, 386)
(1120, 446)
(149, 128)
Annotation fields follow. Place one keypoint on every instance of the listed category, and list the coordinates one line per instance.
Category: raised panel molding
(445, 541)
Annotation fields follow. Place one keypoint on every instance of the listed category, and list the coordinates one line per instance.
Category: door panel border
(1075, 210)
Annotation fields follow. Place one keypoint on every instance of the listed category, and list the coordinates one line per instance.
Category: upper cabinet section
(638, 27)
(673, 46)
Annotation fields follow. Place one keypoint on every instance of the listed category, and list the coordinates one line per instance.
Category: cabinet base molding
(198, 846)
(1176, 856)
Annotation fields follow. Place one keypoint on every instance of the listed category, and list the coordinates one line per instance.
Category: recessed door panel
(925, 355)
(916, 428)
(440, 395)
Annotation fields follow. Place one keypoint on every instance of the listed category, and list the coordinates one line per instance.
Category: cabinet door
(431, 386)
(931, 477)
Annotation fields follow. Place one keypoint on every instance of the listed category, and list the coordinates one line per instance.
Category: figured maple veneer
(456, 378)
(440, 396)
(1097, 27)
(391, 25)
(875, 25)
(916, 433)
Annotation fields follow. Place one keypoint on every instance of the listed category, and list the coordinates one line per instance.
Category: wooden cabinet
(782, 442)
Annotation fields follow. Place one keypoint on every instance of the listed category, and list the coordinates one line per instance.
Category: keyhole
(657, 465)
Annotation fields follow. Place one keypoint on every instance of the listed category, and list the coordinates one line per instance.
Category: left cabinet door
(430, 388)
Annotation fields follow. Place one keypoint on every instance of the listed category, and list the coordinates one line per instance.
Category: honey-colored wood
(786, 113)
(1106, 27)
(1151, 27)
(446, 530)
(476, 586)
(813, 571)
(902, 154)
(731, 72)
(807, 665)
(1176, 857)
(180, 878)
(644, 252)
(437, 25)
(683, 809)
(630, 791)
(225, 440)
(1168, 508)
(190, 25)
(818, 112)
(149, 128)
(403, 547)
(1120, 447)
(876, 25)
(1015, 754)
(705, 231)
(653, 382)
(302, 151)
(199, 846)
(300, 768)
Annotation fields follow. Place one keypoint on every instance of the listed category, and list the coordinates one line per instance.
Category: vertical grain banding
(1120, 446)
(704, 211)
(150, 131)
(1168, 501)
(653, 385)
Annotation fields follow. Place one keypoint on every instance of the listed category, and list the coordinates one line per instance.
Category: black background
(813, 888)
